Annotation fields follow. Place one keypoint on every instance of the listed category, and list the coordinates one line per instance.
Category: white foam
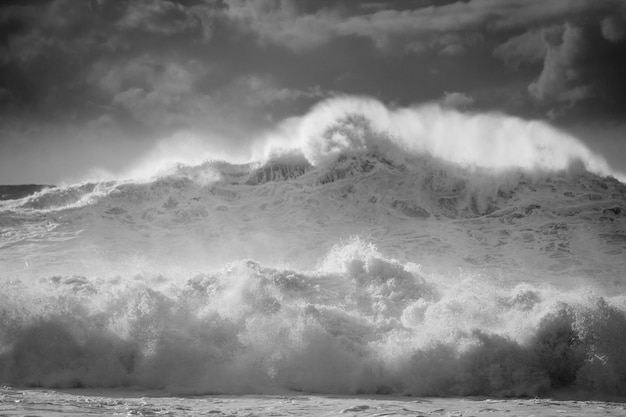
(371, 325)
(487, 140)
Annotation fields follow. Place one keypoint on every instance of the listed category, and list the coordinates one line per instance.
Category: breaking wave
(488, 140)
(335, 129)
(359, 323)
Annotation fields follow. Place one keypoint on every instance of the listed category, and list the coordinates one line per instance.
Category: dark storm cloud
(582, 62)
(526, 48)
(282, 22)
(446, 44)
(75, 40)
(121, 57)
(56, 58)
(158, 92)
(579, 43)
(169, 18)
(614, 28)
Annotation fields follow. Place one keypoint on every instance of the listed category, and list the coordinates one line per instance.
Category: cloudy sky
(94, 86)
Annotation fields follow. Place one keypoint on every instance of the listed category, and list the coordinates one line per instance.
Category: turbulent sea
(353, 263)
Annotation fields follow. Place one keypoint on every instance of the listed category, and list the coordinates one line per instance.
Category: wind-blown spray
(488, 140)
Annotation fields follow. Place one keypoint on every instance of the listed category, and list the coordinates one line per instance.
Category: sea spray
(486, 140)
(373, 325)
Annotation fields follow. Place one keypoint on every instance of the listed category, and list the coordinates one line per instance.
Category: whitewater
(365, 250)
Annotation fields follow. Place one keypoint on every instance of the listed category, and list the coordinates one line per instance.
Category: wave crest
(490, 140)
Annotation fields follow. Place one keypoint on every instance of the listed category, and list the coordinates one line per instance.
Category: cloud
(160, 93)
(456, 100)
(561, 80)
(581, 57)
(32, 30)
(278, 22)
(383, 24)
(613, 28)
(261, 91)
(527, 48)
(450, 44)
(519, 14)
(582, 67)
(35, 29)
(165, 94)
(150, 72)
(169, 17)
(281, 22)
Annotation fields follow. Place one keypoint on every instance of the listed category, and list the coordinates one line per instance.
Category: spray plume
(490, 140)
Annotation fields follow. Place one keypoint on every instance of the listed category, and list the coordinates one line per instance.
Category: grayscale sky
(91, 86)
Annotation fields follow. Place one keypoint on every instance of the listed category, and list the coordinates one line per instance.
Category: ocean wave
(490, 263)
(479, 189)
(359, 323)
(484, 140)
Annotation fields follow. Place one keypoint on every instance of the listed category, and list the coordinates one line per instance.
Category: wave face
(351, 261)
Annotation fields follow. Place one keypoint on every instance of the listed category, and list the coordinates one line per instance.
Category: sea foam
(360, 323)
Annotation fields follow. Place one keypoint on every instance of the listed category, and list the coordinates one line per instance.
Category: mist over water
(415, 251)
